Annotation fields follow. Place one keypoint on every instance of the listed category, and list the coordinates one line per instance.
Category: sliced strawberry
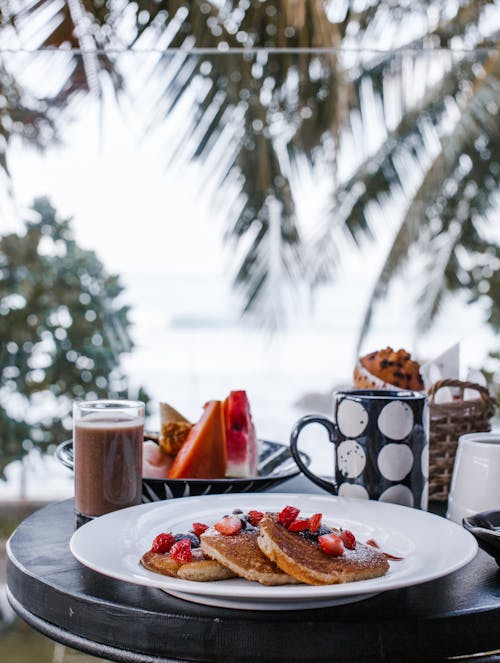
(331, 544)
(254, 517)
(288, 515)
(298, 525)
(181, 551)
(228, 525)
(162, 543)
(314, 522)
(199, 528)
(348, 538)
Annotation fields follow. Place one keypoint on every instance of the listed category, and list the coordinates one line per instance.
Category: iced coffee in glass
(107, 442)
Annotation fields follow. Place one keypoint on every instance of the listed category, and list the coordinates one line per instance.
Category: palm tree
(258, 118)
(264, 114)
(443, 153)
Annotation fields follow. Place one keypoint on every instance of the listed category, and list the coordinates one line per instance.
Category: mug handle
(294, 438)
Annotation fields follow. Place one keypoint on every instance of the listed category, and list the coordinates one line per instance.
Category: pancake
(304, 560)
(240, 553)
(200, 569)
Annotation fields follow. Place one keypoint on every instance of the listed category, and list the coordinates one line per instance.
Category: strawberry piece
(199, 528)
(254, 517)
(298, 525)
(181, 551)
(288, 515)
(331, 544)
(228, 525)
(162, 543)
(314, 522)
(348, 539)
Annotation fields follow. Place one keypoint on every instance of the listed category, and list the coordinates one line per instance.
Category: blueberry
(309, 536)
(237, 511)
(195, 541)
(313, 536)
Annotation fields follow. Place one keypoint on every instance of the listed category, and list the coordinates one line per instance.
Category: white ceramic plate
(431, 547)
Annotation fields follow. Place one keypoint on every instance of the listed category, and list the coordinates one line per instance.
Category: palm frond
(82, 25)
(22, 116)
(476, 120)
(277, 108)
(463, 23)
(404, 149)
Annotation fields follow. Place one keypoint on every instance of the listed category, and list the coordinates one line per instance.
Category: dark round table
(453, 616)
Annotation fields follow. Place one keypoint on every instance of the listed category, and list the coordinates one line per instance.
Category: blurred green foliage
(63, 329)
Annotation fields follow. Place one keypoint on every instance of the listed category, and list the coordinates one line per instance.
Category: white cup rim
(486, 440)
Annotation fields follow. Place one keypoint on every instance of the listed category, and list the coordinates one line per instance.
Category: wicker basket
(447, 422)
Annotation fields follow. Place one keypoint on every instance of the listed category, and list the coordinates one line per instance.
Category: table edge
(83, 644)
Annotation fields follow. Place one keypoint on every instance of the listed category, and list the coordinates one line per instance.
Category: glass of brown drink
(107, 442)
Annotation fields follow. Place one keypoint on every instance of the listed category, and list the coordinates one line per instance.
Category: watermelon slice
(203, 454)
(241, 441)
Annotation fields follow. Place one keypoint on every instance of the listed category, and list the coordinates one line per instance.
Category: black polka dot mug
(381, 441)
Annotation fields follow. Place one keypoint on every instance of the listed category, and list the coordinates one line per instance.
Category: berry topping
(181, 551)
(199, 528)
(228, 525)
(254, 517)
(348, 539)
(298, 525)
(314, 522)
(195, 541)
(331, 544)
(162, 543)
(288, 515)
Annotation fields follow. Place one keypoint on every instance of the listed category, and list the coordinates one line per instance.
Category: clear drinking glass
(107, 438)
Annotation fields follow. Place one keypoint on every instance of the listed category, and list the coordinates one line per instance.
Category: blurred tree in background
(63, 330)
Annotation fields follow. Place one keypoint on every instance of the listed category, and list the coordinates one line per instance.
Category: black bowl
(275, 466)
(485, 526)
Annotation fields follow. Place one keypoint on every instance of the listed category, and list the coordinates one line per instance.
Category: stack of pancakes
(271, 555)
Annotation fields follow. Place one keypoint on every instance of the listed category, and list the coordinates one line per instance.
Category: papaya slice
(203, 454)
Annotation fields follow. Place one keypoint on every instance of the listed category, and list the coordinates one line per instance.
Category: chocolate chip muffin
(387, 369)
